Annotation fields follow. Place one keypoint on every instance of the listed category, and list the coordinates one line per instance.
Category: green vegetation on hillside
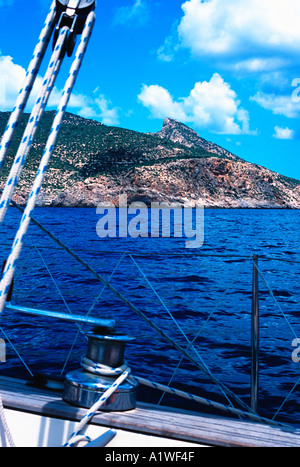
(89, 148)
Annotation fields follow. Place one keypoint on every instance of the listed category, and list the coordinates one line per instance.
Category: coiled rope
(124, 373)
(99, 369)
(207, 402)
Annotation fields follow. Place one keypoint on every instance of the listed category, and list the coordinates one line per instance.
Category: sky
(229, 69)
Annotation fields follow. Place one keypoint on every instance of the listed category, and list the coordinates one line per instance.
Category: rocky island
(93, 163)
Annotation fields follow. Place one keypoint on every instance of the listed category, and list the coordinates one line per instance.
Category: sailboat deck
(153, 420)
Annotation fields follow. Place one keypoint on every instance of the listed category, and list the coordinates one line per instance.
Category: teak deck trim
(152, 420)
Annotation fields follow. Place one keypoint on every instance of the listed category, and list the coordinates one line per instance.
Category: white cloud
(278, 104)
(283, 133)
(212, 105)
(108, 116)
(218, 27)
(138, 13)
(254, 65)
(160, 102)
(11, 80)
(251, 32)
(167, 50)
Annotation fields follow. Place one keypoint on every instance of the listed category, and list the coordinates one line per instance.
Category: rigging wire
(190, 343)
(96, 300)
(19, 162)
(16, 351)
(96, 275)
(206, 321)
(136, 310)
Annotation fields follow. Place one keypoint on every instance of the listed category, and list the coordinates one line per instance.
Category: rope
(25, 221)
(206, 402)
(130, 305)
(30, 78)
(32, 125)
(5, 425)
(97, 368)
(125, 371)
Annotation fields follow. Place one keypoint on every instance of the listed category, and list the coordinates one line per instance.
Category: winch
(100, 367)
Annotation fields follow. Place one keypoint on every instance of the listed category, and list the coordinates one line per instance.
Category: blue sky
(226, 68)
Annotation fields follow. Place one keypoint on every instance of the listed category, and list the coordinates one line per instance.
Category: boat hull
(32, 430)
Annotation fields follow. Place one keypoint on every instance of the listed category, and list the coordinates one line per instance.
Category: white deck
(31, 430)
(146, 426)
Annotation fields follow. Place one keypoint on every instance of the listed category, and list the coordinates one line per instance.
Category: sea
(201, 295)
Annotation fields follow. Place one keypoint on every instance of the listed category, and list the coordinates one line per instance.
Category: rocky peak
(93, 163)
(178, 132)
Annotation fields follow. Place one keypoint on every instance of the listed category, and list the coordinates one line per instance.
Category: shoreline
(204, 207)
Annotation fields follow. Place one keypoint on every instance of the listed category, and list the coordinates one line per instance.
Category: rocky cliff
(180, 133)
(94, 163)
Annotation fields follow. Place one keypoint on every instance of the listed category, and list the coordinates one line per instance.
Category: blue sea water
(206, 292)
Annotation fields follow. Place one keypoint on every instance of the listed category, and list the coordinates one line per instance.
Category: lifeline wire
(207, 402)
(276, 301)
(99, 369)
(97, 298)
(131, 305)
(125, 300)
(290, 327)
(206, 321)
(190, 343)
